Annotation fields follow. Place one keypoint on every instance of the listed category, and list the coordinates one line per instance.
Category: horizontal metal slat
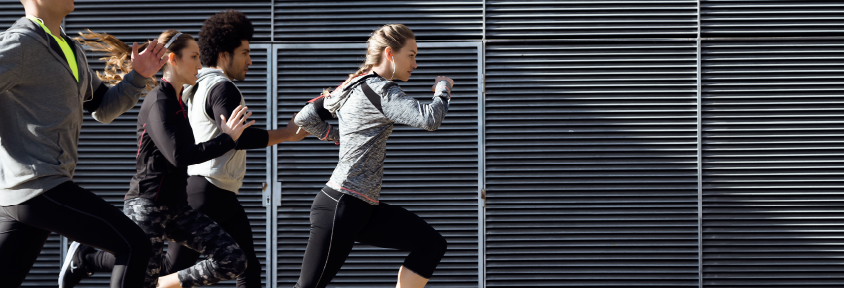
(10, 11)
(356, 20)
(771, 18)
(506, 19)
(141, 21)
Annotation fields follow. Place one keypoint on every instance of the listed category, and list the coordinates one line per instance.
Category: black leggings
(338, 220)
(223, 207)
(79, 215)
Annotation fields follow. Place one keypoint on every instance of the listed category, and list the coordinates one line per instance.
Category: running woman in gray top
(347, 209)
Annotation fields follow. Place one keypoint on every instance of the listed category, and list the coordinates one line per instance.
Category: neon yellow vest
(68, 53)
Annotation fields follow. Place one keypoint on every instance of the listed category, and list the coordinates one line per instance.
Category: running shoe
(74, 268)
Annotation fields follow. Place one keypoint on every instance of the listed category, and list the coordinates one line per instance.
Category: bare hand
(235, 125)
(293, 130)
(148, 62)
(441, 78)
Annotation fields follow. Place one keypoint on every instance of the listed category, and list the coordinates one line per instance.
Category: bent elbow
(102, 119)
(433, 126)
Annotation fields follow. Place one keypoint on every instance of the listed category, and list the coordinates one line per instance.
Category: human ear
(389, 53)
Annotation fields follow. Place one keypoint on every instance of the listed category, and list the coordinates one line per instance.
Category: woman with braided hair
(347, 209)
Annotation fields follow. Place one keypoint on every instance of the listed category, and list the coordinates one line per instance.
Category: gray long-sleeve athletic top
(364, 129)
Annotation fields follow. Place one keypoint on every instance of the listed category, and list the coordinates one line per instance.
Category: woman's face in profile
(405, 61)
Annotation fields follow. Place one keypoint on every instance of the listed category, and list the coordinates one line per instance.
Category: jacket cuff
(135, 79)
(226, 141)
(442, 88)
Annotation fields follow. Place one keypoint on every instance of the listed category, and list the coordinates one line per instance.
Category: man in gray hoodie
(45, 83)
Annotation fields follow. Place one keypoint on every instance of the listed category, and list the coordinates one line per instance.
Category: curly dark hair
(223, 32)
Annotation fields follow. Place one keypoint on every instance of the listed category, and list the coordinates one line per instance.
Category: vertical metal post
(699, 153)
(266, 192)
(273, 231)
(481, 168)
(482, 154)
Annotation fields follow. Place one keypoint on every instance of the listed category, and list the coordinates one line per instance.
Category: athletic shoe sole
(67, 259)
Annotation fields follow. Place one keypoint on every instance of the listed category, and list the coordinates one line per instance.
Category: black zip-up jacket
(166, 147)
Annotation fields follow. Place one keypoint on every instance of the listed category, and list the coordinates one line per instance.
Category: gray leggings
(186, 226)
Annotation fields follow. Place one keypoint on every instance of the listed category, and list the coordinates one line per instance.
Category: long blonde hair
(394, 36)
(119, 58)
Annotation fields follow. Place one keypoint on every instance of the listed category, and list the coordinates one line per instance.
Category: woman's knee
(438, 244)
(433, 244)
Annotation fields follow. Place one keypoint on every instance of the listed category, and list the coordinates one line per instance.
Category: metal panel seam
(274, 171)
(481, 167)
(699, 155)
(269, 166)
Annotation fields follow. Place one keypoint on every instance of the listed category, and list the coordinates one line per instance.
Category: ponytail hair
(394, 36)
(119, 55)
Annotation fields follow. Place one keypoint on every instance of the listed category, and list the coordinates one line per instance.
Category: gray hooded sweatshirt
(364, 130)
(41, 106)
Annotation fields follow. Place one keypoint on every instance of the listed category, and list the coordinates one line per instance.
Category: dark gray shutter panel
(591, 164)
(10, 11)
(590, 19)
(433, 174)
(45, 271)
(107, 159)
(139, 21)
(355, 20)
(772, 194)
(772, 18)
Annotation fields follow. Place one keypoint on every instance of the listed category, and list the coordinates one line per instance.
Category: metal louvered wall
(433, 174)
(620, 146)
(591, 164)
(10, 11)
(355, 20)
(773, 207)
(772, 18)
(139, 21)
(537, 19)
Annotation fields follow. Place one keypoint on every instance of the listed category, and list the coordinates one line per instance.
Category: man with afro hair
(213, 185)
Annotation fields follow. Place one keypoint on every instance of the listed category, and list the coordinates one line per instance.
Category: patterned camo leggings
(184, 225)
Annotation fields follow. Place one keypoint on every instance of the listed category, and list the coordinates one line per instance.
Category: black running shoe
(74, 268)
